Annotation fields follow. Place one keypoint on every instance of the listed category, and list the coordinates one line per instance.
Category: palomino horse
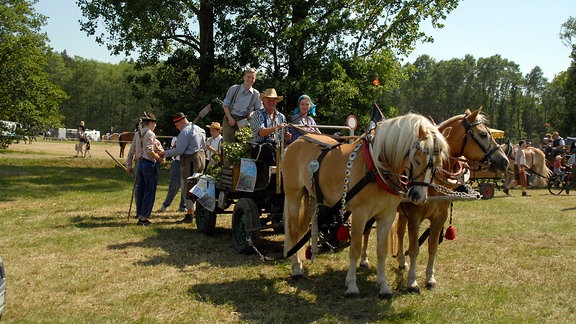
(535, 159)
(318, 171)
(123, 139)
(469, 138)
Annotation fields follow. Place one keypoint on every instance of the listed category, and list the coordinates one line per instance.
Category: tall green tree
(26, 94)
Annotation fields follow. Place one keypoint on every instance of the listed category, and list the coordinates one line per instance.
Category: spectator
(241, 100)
(213, 145)
(174, 185)
(266, 125)
(191, 147)
(520, 170)
(148, 152)
(303, 117)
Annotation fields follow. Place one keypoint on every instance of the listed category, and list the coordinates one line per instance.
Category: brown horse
(123, 140)
(316, 173)
(469, 138)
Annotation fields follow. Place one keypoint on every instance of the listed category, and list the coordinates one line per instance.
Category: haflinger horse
(535, 159)
(468, 138)
(363, 179)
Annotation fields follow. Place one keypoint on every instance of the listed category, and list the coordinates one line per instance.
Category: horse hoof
(431, 285)
(385, 296)
(364, 265)
(414, 290)
(298, 276)
(352, 294)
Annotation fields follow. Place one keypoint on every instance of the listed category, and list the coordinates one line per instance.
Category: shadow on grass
(310, 299)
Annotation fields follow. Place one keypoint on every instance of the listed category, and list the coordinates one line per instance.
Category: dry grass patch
(72, 255)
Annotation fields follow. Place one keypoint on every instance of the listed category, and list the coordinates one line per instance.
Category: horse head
(471, 138)
(413, 147)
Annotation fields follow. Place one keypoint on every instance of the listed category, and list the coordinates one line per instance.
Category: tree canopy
(27, 97)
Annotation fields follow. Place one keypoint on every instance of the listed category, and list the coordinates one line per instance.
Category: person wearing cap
(267, 126)
(213, 144)
(191, 147)
(147, 151)
(175, 185)
(303, 117)
(240, 101)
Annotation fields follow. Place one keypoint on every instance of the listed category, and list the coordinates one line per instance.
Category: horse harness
(332, 218)
(488, 151)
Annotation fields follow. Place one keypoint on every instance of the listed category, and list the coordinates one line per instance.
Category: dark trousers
(146, 187)
(174, 186)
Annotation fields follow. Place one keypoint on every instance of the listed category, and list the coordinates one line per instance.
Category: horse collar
(372, 169)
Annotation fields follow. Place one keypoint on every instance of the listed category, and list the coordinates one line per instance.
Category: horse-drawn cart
(253, 210)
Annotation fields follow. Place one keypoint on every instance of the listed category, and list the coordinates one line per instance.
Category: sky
(523, 31)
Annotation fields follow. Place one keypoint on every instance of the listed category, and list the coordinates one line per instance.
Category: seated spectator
(267, 125)
(303, 117)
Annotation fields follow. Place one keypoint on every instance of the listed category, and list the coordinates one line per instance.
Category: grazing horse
(363, 178)
(469, 138)
(123, 139)
(535, 159)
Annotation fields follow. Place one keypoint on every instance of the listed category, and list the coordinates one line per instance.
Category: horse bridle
(429, 165)
(488, 151)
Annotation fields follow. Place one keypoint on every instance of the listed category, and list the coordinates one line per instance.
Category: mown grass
(72, 255)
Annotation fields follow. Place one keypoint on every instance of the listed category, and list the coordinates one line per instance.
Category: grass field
(72, 255)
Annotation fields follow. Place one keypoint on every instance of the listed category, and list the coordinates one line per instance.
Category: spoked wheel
(245, 217)
(555, 184)
(205, 220)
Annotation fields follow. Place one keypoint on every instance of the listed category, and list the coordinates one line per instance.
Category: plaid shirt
(261, 120)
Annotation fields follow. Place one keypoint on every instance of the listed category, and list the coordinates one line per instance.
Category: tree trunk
(206, 26)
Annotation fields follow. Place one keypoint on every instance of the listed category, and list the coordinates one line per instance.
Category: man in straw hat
(147, 151)
(267, 125)
(213, 144)
(241, 100)
(191, 147)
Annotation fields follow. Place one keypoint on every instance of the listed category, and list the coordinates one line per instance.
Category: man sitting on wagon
(267, 125)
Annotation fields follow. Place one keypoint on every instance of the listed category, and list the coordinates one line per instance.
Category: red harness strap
(372, 168)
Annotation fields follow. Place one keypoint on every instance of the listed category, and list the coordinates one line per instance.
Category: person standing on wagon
(191, 147)
(147, 151)
(241, 100)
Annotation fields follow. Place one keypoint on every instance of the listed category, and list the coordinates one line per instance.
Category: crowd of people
(559, 156)
(193, 153)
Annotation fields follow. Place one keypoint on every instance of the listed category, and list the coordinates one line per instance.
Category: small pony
(319, 171)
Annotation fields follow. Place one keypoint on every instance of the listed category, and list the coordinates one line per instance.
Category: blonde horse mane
(394, 140)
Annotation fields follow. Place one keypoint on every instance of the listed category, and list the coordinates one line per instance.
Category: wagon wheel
(205, 220)
(486, 190)
(246, 216)
(555, 184)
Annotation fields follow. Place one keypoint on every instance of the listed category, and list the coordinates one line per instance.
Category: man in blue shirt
(191, 147)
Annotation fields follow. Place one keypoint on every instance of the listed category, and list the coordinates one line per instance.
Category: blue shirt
(245, 102)
(190, 140)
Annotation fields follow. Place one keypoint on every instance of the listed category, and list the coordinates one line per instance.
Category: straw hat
(271, 93)
(214, 125)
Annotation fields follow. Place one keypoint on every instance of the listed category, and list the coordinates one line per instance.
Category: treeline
(110, 97)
